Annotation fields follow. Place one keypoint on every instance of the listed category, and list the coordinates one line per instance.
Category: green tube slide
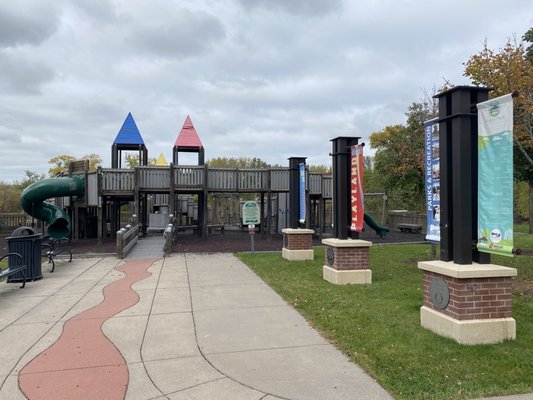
(33, 202)
(380, 229)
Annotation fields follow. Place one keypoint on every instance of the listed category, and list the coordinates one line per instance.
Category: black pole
(341, 187)
(294, 191)
(459, 173)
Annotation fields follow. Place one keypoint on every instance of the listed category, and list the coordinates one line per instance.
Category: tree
(132, 160)
(60, 164)
(94, 161)
(237, 162)
(320, 168)
(507, 70)
(31, 177)
(399, 155)
(528, 37)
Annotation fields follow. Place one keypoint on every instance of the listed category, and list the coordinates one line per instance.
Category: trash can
(27, 242)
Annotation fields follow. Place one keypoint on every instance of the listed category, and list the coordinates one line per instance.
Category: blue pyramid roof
(129, 133)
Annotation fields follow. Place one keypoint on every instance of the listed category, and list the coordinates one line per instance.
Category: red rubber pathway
(83, 355)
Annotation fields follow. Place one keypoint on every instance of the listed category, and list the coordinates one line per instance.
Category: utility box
(26, 242)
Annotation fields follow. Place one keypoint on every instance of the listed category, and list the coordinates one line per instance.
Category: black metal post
(459, 173)
(294, 190)
(341, 187)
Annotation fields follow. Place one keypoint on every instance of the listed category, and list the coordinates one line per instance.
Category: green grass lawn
(378, 325)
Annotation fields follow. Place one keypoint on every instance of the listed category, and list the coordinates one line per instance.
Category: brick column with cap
(298, 244)
(346, 261)
(471, 304)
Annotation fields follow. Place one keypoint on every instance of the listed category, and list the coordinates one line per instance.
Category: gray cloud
(185, 33)
(313, 8)
(260, 79)
(26, 22)
(22, 74)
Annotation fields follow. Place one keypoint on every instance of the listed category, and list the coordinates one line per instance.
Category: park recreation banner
(356, 179)
(432, 179)
(495, 176)
(301, 168)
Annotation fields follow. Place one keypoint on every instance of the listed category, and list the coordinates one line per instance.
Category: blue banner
(302, 192)
(432, 179)
(495, 176)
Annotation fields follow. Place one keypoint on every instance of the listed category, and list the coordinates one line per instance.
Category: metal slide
(33, 202)
(380, 229)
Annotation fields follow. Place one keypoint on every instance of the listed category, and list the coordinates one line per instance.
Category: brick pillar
(471, 304)
(298, 244)
(346, 261)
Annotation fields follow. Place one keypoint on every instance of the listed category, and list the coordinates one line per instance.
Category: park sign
(250, 213)
(301, 194)
(432, 178)
(495, 176)
(356, 186)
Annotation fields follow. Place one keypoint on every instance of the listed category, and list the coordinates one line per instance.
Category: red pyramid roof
(188, 136)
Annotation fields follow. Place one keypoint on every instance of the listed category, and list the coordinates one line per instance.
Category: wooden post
(172, 192)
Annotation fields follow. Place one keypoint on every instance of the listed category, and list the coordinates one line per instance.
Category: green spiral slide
(33, 202)
(380, 229)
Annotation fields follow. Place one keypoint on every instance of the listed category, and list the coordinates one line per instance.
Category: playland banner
(432, 179)
(495, 166)
(356, 179)
(302, 192)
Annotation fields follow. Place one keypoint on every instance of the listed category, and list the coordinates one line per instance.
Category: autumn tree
(132, 160)
(508, 70)
(61, 163)
(399, 157)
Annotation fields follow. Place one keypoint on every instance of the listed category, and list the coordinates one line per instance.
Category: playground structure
(93, 200)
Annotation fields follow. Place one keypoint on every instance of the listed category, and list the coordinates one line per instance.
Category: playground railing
(152, 177)
(118, 180)
(315, 183)
(126, 239)
(279, 179)
(189, 177)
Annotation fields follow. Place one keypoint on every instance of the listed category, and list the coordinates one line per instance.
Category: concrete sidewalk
(205, 327)
(193, 327)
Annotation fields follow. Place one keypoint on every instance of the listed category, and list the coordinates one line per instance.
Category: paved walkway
(182, 327)
(201, 327)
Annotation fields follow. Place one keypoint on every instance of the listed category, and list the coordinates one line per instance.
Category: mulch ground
(234, 241)
(229, 242)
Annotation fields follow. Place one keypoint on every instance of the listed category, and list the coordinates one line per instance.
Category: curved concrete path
(193, 327)
(201, 327)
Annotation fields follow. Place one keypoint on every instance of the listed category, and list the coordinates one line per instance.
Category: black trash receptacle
(27, 243)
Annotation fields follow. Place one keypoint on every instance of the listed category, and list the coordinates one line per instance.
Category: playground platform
(189, 326)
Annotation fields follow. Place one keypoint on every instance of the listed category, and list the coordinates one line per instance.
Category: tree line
(398, 163)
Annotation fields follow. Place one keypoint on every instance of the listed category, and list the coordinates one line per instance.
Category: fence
(126, 240)
(10, 221)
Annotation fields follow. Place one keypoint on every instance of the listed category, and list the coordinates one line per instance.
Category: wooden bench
(413, 228)
(52, 248)
(211, 227)
(12, 269)
(181, 228)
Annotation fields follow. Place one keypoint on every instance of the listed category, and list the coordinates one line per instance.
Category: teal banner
(495, 179)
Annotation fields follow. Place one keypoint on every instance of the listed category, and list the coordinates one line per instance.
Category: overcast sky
(259, 78)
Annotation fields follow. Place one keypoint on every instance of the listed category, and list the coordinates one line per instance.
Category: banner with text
(302, 192)
(356, 179)
(432, 179)
(495, 176)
